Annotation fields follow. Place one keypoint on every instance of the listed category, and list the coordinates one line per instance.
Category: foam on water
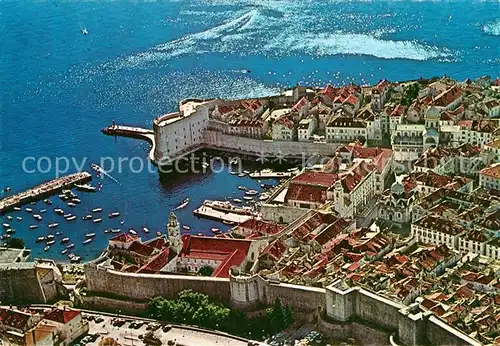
(492, 28)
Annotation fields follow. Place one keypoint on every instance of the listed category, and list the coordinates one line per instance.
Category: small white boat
(107, 230)
(90, 235)
(46, 248)
(47, 201)
(50, 236)
(87, 241)
(63, 252)
(117, 230)
(187, 228)
(64, 240)
(85, 187)
(29, 210)
(252, 192)
(96, 210)
(76, 201)
(40, 239)
(97, 220)
(241, 175)
(243, 188)
(71, 204)
(248, 198)
(246, 172)
(184, 203)
(230, 223)
(6, 225)
(51, 242)
(32, 203)
(87, 217)
(70, 246)
(233, 172)
(216, 231)
(37, 217)
(58, 233)
(53, 225)
(59, 211)
(71, 218)
(10, 231)
(19, 218)
(131, 231)
(75, 259)
(264, 196)
(158, 233)
(85, 31)
(122, 222)
(114, 214)
(237, 200)
(33, 226)
(42, 211)
(67, 215)
(66, 191)
(146, 230)
(9, 217)
(17, 209)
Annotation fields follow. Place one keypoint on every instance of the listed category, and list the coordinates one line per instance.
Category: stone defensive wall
(345, 312)
(19, 284)
(141, 287)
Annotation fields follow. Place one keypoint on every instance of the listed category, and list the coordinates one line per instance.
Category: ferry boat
(71, 218)
(71, 204)
(251, 193)
(63, 252)
(131, 231)
(96, 220)
(17, 209)
(64, 240)
(70, 246)
(53, 225)
(51, 242)
(87, 217)
(47, 201)
(96, 210)
(46, 248)
(226, 207)
(37, 217)
(59, 211)
(33, 226)
(187, 228)
(86, 241)
(29, 210)
(19, 218)
(146, 230)
(242, 188)
(114, 214)
(85, 187)
(90, 235)
(184, 203)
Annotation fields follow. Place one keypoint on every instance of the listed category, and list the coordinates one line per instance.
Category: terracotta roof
(346, 122)
(62, 315)
(233, 259)
(14, 318)
(141, 249)
(298, 106)
(316, 178)
(329, 91)
(158, 262)
(440, 224)
(158, 243)
(283, 120)
(306, 193)
(491, 171)
(447, 96)
(332, 230)
(211, 248)
(276, 249)
(261, 226)
(124, 238)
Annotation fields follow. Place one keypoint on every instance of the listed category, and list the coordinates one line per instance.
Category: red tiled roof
(491, 171)
(124, 238)
(62, 315)
(329, 91)
(298, 106)
(15, 319)
(283, 120)
(276, 249)
(233, 259)
(158, 243)
(157, 262)
(447, 96)
(261, 226)
(141, 249)
(306, 193)
(316, 178)
(211, 248)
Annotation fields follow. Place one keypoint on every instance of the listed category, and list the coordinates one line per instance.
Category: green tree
(206, 271)
(15, 243)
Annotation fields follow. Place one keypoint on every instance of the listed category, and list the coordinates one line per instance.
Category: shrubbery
(198, 309)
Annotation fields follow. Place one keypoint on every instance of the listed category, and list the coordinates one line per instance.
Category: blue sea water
(59, 87)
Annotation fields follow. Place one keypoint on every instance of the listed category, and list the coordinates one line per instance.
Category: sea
(59, 87)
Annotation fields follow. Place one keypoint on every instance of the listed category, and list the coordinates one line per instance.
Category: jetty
(132, 132)
(211, 213)
(43, 190)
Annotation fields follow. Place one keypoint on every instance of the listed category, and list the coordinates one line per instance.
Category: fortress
(341, 311)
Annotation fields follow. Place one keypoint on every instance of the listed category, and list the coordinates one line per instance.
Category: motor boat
(114, 214)
(96, 210)
(146, 230)
(96, 220)
(53, 225)
(184, 203)
(187, 228)
(90, 235)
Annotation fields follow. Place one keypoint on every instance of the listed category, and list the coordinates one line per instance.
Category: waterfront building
(306, 129)
(283, 129)
(345, 130)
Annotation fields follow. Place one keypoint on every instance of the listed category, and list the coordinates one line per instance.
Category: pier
(211, 213)
(133, 132)
(43, 190)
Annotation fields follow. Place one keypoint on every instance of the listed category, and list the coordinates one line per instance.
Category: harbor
(43, 190)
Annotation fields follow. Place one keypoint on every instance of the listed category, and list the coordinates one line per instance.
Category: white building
(408, 142)
(433, 229)
(492, 248)
(493, 151)
(69, 323)
(489, 177)
(344, 129)
(283, 129)
(306, 128)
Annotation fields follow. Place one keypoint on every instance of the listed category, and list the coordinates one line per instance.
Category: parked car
(167, 327)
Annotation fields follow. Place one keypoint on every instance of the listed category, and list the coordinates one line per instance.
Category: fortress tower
(174, 234)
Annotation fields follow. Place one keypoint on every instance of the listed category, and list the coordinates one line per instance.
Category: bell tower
(174, 234)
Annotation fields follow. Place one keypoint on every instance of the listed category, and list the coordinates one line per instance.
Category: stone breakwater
(43, 190)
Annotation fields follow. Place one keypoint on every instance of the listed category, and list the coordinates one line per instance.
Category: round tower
(174, 234)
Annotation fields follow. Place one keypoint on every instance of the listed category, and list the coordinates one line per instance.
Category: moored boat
(33, 226)
(40, 239)
(71, 204)
(114, 214)
(133, 232)
(76, 201)
(96, 220)
(29, 210)
(216, 231)
(9, 217)
(19, 218)
(230, 223)
(241, 175)
(17, 208)
(242, 188)
(10, 231)
(85, 187)
(87, 217)
(184, 203)
(6, 225)
(158, 233)
(63, 252)
(37, 217)
(51, 242)
(251, 193)
(145, 229)
(186, 227)
(46, 248)
(237, 200)
(70, 246)
(116, 230)
(96, 210)
(64, 240)
(47, 201)
(42, 211)
(53, 225)
(75, 259)
(50, 236)
(59, 211)
(71, 218)
(87, 241)
(90, 235)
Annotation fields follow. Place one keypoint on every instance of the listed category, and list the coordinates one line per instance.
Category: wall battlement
(335, 303)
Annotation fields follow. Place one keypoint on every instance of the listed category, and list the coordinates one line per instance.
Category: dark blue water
(59, 87)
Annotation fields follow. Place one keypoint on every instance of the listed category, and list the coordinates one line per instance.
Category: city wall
(20, 285)
(346, 312)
